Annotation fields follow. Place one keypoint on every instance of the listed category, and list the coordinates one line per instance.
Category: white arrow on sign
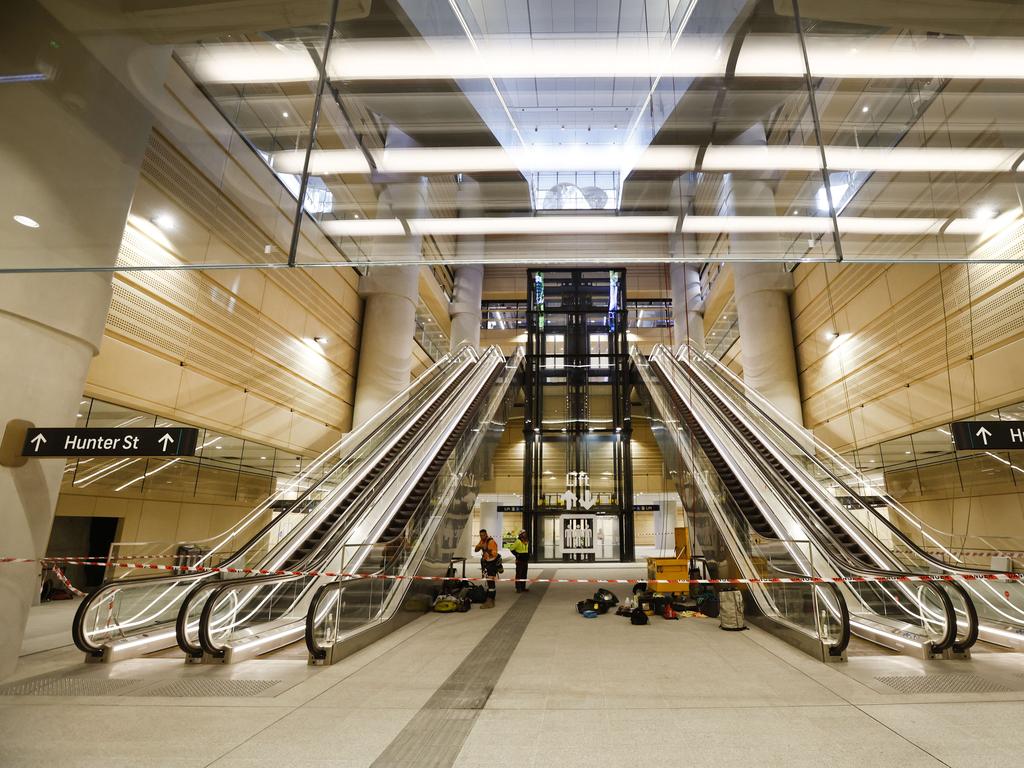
(984, 434)
(588, 501)
(165, 441)
(569, 498)
(37, 441)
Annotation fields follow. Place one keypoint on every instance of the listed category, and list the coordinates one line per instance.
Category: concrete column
(465, 306)
(71, 155)
(762, 292)
(469, 275)
(687, 304)
(665, 528)
(389, 309)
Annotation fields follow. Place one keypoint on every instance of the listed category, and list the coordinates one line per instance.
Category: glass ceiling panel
(578, 131)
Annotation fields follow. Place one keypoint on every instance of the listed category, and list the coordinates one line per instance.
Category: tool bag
(597, 606)
(730, 611)
(447, 604)
(638, 617)
(477, 593)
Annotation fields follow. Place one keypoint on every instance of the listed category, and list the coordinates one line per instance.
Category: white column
(71, 155)
(469, 275)
(762, 292)
(665, 528)
(391, 294)
(465, 306)
(687, 304)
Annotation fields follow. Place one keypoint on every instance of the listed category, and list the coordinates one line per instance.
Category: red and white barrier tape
(1018, 577)
(64, 580)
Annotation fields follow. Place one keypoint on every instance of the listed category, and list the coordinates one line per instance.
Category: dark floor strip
(435, 735)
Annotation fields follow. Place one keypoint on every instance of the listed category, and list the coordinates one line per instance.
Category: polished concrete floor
(567, 691)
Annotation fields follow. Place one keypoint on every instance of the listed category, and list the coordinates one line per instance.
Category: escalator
(380, 528)
(868, 534)
(129, 617)
(729, 532)
(923, 618)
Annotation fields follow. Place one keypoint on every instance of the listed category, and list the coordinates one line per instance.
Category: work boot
(488, 603)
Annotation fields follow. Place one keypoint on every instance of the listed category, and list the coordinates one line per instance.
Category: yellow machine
(677, 567)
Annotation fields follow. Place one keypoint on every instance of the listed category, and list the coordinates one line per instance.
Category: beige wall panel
(1000, 374)
(246, 284)
(885, 417)
(209, 401)
(193, 522)
(158, 521)
(279, 306)
(125, 374)
(905, 279)
(264, 418)
(929, 399)
(316, 437)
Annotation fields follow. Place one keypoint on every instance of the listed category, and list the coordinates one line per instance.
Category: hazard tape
(64, 580)
(1011, 577)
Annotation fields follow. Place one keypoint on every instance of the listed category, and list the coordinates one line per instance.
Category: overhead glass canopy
(593, 131)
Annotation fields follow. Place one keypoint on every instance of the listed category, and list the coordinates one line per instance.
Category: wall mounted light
(26, 221)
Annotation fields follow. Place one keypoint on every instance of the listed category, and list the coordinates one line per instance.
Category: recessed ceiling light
(985, 212)
(25, 221)
(263, 458)
(865, 108)
(322, 340)
(164, 221)
(79, 415)
(284, 114)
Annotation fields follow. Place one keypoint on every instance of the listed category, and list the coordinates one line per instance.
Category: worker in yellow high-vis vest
(521, 549)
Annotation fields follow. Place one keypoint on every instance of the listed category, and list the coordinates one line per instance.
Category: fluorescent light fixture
(461, 59)
(363, 227)
(883, 57)
(761, 55)
(544, 225)
(599, 157)
(321, 161)
(26, 221)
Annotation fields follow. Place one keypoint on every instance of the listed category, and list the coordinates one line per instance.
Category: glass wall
(223, 467)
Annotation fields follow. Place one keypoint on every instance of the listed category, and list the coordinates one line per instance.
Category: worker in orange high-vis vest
(490, 563)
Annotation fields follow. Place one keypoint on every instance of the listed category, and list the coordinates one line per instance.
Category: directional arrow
(984, 434)
(165, 441)
(37, 441)
(588, 501)
(569, 498)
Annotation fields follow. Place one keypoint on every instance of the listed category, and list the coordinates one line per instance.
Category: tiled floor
(574, 692)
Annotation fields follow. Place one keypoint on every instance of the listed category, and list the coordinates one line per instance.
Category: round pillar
(73, 169)
(687, 304)
(389, 308)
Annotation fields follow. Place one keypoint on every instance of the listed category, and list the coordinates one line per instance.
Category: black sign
(147, 441)
(646, 507)
(876, 502)
(988, 435)
(510, 507)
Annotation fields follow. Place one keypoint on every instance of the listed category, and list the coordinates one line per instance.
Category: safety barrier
(1015, 577)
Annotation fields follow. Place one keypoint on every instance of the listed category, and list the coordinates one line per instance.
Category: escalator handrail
(834, 552)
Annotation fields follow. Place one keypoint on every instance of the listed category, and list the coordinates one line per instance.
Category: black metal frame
(576, 303)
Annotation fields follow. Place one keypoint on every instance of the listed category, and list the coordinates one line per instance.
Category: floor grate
(943, 684)
(67, 686)
(200, 687)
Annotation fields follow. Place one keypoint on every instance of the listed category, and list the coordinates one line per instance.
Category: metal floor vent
(943, 684)
(199, 687)
(68, 686)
